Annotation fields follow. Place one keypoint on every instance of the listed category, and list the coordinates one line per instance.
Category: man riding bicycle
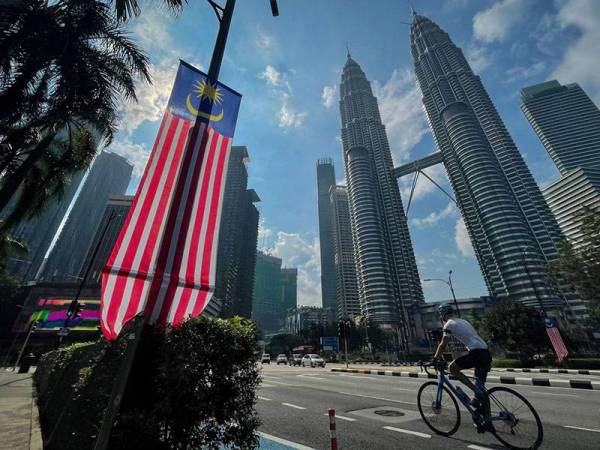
(478, 358)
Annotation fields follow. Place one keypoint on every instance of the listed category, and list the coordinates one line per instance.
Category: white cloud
(152, 98)
(495, 23)
(478, 58)
(151, 30)
(328, 96)
(136, 154)
(424, 186)
(520, 73)
(298, 252)
(434, 217)
(289, 116)
(272, 76)
(580, 62)
(264, 41)
(401, 110)
(461, 237)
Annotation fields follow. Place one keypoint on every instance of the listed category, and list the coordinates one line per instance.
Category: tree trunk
(11, 183)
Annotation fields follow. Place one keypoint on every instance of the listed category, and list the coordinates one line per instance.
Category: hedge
(192, 387)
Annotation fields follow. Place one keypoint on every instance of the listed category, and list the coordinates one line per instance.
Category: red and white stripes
(164, 259)
(332, 429)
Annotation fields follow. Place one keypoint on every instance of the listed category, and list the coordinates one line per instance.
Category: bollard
(332, 432)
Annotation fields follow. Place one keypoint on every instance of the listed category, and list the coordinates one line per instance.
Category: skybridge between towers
(417, 167)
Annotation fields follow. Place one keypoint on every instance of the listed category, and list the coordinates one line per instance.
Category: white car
(281, 359)
(313, 360)
(266, 358)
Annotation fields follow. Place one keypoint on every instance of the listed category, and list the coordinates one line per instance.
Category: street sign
(63, 332)
(330, 343)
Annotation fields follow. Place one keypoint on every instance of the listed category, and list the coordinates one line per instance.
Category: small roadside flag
(164, 260)
(555, 338)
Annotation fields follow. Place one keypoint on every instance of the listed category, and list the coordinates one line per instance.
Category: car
(313, 360)
(296, 359)
(266, 358)
(281, 359)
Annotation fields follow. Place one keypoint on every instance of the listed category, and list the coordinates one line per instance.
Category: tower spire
(348, 51)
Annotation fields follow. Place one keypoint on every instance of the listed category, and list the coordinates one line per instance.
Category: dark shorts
(478, 359)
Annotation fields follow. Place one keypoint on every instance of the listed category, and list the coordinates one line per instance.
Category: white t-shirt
(465, 333)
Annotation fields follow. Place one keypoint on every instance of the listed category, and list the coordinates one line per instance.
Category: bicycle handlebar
(437, 365)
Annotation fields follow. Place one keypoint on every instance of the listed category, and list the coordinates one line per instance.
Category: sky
(288, 70)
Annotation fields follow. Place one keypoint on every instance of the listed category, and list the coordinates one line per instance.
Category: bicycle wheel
(520, 427)
(443, 419)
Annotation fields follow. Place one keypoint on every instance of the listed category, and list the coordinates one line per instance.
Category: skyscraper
(388, 281)
(38, 232)
(109, 174)
(512, 230)
(106, 235)
(289, 289)
(326, 179)
(348, 304)
(236, 256)
(267, 295)
(566, 121)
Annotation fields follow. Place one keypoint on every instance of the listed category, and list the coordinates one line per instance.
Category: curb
(568, 371)
(546, 382)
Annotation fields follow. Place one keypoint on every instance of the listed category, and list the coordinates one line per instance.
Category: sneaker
(485, 426)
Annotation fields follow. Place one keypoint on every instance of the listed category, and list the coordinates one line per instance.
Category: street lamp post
(449, 283)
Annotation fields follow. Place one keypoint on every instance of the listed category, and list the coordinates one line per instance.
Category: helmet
(445, 308)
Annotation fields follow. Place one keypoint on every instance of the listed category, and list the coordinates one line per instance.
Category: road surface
(293, 404)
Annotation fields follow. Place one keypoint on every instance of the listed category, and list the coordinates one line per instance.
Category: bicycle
(514, 421)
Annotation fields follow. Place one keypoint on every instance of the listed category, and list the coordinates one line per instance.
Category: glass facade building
(325, 180)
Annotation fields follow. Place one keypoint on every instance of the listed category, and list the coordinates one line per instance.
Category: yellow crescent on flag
(194, 111)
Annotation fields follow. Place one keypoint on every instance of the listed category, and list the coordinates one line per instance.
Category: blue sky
(288, 70)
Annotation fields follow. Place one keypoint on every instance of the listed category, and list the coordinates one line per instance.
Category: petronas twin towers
(512, 230)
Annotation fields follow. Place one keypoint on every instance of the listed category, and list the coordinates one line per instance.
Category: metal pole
(219, 50)
(31, 328)
(75, 301)
(453, 295)
(535, 292)
(345, 345)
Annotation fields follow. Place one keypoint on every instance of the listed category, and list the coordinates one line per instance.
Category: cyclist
(478, 358)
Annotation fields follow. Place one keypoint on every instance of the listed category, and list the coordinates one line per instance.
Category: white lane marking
(284, 441)
(281, 383)
(264, 398)
(377, 398)
(312, 377)
(374, 377)
(266, 385)
(272, 377)
(337, 416)
(404, 389)
(550, 393)
(291, 405)
(414, 433)
(581, 428)
(478, 447)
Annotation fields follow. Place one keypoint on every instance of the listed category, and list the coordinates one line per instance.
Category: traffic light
(341, 328)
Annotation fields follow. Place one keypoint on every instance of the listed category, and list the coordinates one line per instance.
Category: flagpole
(224, 15)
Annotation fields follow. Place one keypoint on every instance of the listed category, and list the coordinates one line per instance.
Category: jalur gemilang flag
(555, 338)
(163, 262)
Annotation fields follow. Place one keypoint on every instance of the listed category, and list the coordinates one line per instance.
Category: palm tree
(126, 9)
(64, 67)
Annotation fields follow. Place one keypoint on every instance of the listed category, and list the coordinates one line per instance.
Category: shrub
(192, 387)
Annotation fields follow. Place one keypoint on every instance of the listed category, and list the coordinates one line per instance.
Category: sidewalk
(19, 425)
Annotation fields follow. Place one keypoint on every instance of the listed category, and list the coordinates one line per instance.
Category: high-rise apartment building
(348, 303)
(325, 180)
(108, 175)
(567, 122)
(510, 225)
(386, 269)
(105, 237)
(38, 232)
(238, 235)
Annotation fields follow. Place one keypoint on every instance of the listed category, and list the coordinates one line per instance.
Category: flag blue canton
(195, 97)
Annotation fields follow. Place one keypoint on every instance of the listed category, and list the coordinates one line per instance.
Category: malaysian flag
(163, 262)
(555, 338)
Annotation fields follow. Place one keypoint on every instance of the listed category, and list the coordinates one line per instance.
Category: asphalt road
(293, 404)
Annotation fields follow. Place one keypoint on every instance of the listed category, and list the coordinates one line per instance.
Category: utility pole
(32, 328)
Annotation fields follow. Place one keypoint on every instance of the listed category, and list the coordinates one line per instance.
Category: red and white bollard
(332, 431)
